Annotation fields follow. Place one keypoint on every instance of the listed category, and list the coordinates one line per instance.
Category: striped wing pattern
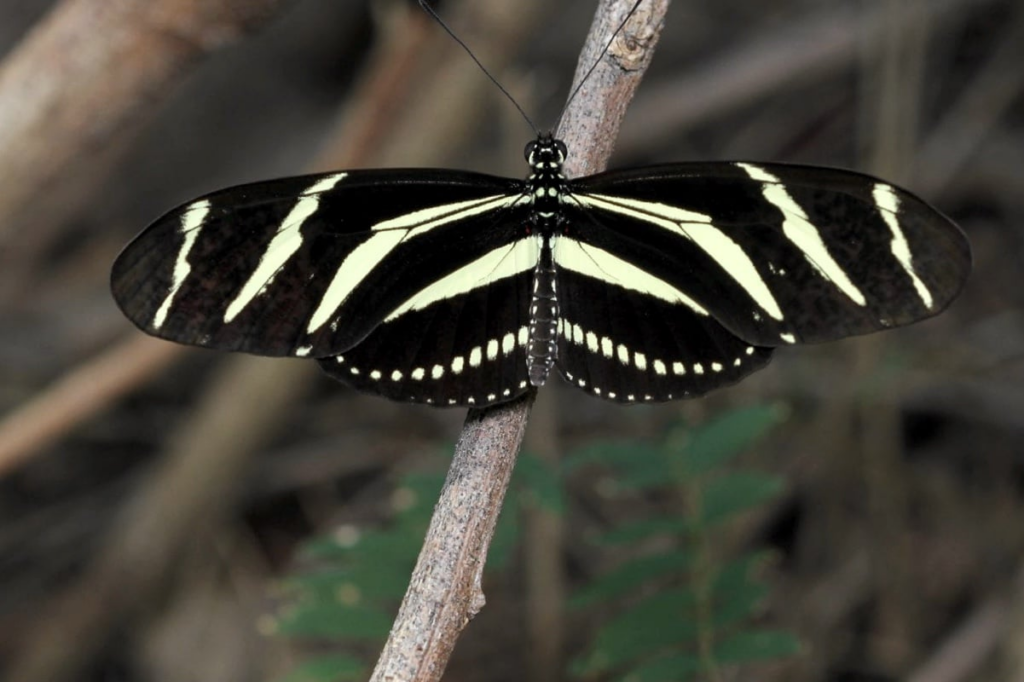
(630, 349)
(310, 266)
(777, 254)
(464, 350)
(419, 285)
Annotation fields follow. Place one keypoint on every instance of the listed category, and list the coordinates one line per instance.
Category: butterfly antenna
(433, 14)
(597, 61)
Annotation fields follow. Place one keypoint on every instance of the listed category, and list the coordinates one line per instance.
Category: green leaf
(736, 594)
(671, 668)
(631, 575)
(328, 668)
(370, 579)
(379, 581)
(587, 665)
(624, 454)
(642, 530)
(738, 605)
(335, 621)
(662, 621)
(425, 486)
(756, 645)
(322, 547)
(397, 542)
(653, 474)
(729, 494)
(740, 571)
(315, 585)
(712, 445)
(541, 482)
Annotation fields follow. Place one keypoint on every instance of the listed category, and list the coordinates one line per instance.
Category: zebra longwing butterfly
(461, 289)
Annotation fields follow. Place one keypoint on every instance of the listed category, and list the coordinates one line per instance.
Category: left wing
(311, 266)
(776, 254)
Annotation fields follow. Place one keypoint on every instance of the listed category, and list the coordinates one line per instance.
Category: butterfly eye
(562, 151)
(531, 147)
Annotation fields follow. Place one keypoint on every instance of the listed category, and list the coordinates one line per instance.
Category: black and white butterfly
(457, 288)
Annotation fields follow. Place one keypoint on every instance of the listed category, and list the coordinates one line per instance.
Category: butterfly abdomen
(543, 347)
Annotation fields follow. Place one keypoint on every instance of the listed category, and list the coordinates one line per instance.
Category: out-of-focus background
(152, 496)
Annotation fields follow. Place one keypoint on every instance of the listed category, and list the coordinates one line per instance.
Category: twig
(445, 592)
(445, 589)
(819, 45)
(186, 490)
(89, 72)
(960, 133)
(78, 396)
(970, 645)
(967, 648)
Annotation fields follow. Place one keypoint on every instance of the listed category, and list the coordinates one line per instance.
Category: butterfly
(456, 288)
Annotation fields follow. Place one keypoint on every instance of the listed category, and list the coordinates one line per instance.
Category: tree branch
(445, 593)
(87, 73)
(77, 396)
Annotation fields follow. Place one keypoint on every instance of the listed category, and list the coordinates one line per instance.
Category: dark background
(141, 540)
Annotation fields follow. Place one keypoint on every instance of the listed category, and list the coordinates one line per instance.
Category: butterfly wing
(311, 266)
(463, 350)
(632, 349)
(776, 254)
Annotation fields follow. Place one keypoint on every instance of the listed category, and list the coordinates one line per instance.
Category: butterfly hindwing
(778, 254)
(633, 349)
(467, 350)
(310, 266)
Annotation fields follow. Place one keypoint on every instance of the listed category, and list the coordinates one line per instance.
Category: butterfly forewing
(778, 254)
(310, 266)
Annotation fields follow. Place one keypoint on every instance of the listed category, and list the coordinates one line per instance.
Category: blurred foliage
(357, 578)
(679, 610)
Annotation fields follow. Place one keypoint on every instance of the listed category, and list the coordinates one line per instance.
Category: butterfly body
(545, 187)
(464, 289)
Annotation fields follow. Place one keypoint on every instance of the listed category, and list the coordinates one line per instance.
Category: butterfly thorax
(545, 186)
(546, 182)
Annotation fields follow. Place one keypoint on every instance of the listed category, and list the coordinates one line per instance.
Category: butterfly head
(545, 154)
